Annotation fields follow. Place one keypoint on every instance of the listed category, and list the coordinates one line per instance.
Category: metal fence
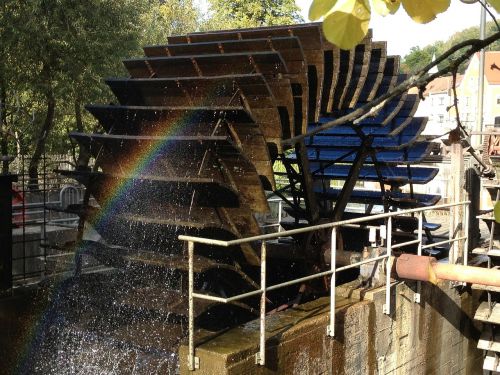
(385, 231)
(33, 217)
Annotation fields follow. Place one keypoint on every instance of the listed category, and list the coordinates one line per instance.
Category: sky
(401, 33)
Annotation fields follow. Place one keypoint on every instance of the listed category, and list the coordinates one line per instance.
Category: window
(498, 99)
(441, 101)
(441, 119)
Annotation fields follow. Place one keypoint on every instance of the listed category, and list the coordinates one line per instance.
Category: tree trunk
(4, 145)
(42, 138)
(84, 155)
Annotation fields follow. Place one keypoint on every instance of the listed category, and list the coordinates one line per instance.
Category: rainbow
(137, 162)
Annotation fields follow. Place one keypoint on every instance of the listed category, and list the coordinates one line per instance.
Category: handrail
(271, 236)
(193, 361)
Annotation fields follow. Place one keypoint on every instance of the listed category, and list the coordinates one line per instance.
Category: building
(437, 105)
(468, 89)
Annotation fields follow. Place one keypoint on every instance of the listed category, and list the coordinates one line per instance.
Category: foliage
(231, 14)
(496, 212)
(345, 22)
(54, 54)
(58, 51)
(169, 17)
(348, 23)
(495, 4)
(418, 57)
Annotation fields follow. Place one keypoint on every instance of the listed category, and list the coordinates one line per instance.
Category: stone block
(435, 336)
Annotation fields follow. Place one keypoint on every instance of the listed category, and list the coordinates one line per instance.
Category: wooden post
(458, 194)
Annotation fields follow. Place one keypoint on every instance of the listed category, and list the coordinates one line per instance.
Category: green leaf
(319, 8)
(423, 11)
(496, 212)
(495, 4)
(385, 7)
(348, 24)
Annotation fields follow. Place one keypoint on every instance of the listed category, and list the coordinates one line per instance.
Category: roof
(492, 67)
(441, 85)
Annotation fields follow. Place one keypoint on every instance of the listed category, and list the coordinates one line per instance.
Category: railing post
(416, 297)
(193, 362)
(420, 230)
(280, 206)
(387, 306)
(330, 331)
(260, 358)
(466, 234)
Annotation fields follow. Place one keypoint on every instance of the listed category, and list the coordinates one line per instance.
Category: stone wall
(436, 336)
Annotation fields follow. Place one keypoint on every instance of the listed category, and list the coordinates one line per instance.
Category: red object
(18, 213)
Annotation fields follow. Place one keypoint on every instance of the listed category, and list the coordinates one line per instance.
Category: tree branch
(483, 4)
(420, 79)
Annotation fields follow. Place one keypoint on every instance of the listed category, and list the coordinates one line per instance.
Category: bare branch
(483, 4)
(420, 79)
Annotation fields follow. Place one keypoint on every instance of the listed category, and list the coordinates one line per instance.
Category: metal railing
(385, 232)
(279, 216)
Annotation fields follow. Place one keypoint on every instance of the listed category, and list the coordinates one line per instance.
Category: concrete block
(433, 337)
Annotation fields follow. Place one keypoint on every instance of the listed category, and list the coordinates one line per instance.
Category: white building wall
(436, 108)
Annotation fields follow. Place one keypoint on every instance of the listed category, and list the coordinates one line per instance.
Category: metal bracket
(329, 332)
(257, 359)
(383, 232)
(416, 298)
(195, 364)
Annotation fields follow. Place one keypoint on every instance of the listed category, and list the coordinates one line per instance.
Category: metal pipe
(291, 232)
(300, 280)
(480, 94)
(422, 268)
(467, 274)
(333, 281)
(262, 351)
(216, 299)
(360, 226)
(288, 283)
(466, 233)
(387, 306)
(280, 207)
(416, 297)
(403, 244)
(453, 240)
(191, 359)
(419, 233)
(451, 231)
(357, 264)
